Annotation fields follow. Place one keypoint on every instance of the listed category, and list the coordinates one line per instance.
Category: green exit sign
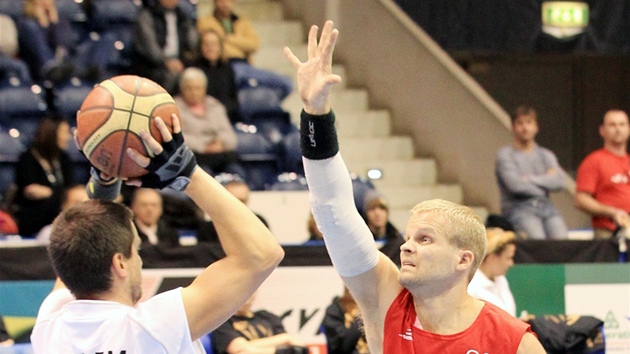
(564, 18)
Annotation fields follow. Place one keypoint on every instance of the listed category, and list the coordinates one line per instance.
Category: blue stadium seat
(23, 127)
(10, 149)
(21, 101)
(71, 10)
(13, 8)
(289, 182)
(68, 99)
(106, 14)
(290, 153)
(360, 187)
(257, 157)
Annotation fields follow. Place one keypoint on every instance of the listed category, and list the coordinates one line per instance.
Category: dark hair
(84, 239)
(614, 109)
(45, 140)
(523, 110)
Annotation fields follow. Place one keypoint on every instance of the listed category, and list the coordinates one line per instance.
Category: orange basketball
(111, 117)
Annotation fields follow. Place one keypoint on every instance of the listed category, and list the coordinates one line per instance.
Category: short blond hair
(464, 228)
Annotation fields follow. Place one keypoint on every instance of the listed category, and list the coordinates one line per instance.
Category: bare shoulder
(530, 345)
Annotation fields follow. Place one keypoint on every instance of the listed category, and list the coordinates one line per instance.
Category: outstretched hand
(314, 77)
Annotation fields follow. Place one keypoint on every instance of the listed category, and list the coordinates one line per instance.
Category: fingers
(75, 137)
(325, 37)
(138, 158)
(177, 126)
(312, 42)
(166, 134)
(292, 58)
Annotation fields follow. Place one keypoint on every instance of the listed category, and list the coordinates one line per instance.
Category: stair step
(273, 58)
(408, 196)
(374, 149)
(343, 101)
(280, 34)
(369, 124)
(416, 172)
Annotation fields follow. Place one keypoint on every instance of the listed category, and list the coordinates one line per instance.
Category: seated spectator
(315, 236)
(240, 40)
(146, 205)
(42, 173)
(45, 40)
(205, 124)
(221, 79)
(10, 66)
(527, 174)
(343, 328)
(5, 338)
(489, 282)
(239, 189)
(376, 214)
(254, 332)
(72, 195)
(242, 88)
(164, 43)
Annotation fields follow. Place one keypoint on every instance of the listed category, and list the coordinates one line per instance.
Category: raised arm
(370, 276)
(252, 252)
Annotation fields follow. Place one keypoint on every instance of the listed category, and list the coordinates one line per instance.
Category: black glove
(172, 167)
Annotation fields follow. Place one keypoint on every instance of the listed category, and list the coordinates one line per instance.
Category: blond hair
(498, 239)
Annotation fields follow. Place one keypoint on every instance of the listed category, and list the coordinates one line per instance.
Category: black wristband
(318, 136)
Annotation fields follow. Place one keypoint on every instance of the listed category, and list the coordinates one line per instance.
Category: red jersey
(606, 177)
(493, 332)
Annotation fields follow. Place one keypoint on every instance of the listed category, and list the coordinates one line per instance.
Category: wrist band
(318, 136)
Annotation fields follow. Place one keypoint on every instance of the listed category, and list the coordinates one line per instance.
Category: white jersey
(156, 326)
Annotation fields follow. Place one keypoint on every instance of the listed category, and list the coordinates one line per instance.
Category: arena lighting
(563, 19)
(374, 173)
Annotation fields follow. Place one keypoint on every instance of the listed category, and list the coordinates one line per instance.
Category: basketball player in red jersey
(423, 307)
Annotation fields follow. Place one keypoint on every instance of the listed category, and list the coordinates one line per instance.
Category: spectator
(376, 214)
(343, 328)
(10, 66)
(5, 338)
(72, 195)
(489, 283)
(45, 40)
(220, 74)
(254, 332)
(603, 179)
(527, 174)
(42, 173)
(146, 205)
(205, 124)
(243, 89)
(164, 43)
(315, 236)
(238, 188)
(240, 40)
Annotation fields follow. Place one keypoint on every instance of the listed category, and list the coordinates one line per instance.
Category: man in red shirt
(424, 307)
(603, 178)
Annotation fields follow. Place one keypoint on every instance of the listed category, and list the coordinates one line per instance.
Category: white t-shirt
(496, 292)
(156, 326)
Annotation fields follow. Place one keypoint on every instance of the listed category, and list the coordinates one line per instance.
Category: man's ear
(119, 266)
(466, 259)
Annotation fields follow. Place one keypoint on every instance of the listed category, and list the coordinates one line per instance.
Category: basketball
(112, 115)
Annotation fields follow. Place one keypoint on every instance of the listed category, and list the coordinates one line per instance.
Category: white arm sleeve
(349, 242)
